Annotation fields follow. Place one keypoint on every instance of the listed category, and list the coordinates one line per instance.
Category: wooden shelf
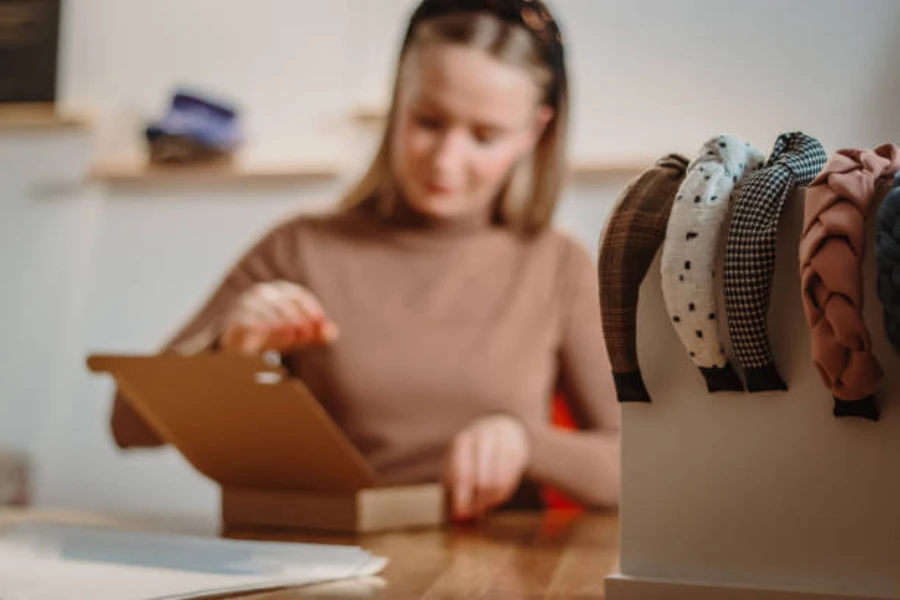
(369, 116)
(610, 168)
(146, 174)
(38, 116)
(373, 116)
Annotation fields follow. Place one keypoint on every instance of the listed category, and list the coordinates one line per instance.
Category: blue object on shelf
(202, 120)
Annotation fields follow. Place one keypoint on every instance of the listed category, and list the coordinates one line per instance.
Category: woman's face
(463, 120)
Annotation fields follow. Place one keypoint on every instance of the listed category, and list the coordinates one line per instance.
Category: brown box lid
(240, 421)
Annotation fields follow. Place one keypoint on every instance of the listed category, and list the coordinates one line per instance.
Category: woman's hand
(485, 464)
(279, 316)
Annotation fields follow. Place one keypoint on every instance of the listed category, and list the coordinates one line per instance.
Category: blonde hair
(528, 199)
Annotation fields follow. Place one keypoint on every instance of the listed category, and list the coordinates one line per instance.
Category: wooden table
(510, 556)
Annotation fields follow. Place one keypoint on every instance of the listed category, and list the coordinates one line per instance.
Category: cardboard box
(280, 459)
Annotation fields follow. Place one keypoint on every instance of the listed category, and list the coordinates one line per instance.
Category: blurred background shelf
(608, 168)
(373, 116)
(14, 116)
(138, 173)
(369, 116)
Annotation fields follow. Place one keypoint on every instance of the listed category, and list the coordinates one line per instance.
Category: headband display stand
(282, 463)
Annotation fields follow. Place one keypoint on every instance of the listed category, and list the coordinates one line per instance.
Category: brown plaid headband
(633, 235)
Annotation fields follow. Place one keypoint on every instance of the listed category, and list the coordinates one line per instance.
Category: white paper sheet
(56, 562)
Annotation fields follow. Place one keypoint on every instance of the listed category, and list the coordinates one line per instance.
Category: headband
(750, 252)
(532, 15)
(888, 243)
(632, 237)
(689, 255)
(831, 254)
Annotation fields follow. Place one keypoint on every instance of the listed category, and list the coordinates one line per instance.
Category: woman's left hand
(485, 464)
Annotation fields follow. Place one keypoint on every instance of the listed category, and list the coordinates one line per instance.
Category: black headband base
(722, 379)
(866, 408)
(892, 326)
(765, 379)
(630, 387)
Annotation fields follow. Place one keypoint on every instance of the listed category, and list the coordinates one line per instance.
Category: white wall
(87, 268)
(653, 75)
(286, 63)
(44, 238)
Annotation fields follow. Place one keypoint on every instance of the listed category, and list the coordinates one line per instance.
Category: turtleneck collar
(410, 228)
(408, 221)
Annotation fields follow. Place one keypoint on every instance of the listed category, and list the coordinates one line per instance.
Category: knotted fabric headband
(633, 235)
(532, 15)
(831, 253)
(888, 244)
(750, 252)
(695, 231)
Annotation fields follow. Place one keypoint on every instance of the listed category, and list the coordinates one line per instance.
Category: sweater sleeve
(584, 464)
(273, 257)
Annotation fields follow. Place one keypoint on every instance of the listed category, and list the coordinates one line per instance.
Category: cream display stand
(758, 496)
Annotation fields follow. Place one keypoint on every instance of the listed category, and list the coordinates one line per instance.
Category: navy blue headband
(532, 15)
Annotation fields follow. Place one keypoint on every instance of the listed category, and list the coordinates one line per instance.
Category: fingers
(485, 464)
(486, 482)
(461, 477)
(480, 477)
(277, 316)
(247, 334)
(266, 319)
(315, 325)
(498, 474)
(290, 323)
(279, 301)
(497, 491)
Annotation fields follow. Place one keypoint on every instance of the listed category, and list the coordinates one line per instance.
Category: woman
(435, 313)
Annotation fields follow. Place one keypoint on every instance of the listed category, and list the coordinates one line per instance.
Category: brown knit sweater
(441, 323)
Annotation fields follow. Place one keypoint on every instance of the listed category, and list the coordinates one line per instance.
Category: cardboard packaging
(281, 461)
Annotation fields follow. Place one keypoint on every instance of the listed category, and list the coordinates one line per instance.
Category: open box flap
(240, 421)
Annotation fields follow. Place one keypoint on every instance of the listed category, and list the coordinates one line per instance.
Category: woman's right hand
(276, 315)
